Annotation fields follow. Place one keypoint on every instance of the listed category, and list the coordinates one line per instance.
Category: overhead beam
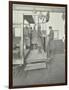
(38, 8)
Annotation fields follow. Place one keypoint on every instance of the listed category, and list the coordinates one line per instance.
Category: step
(18, 61)
(35, 66)
(36, 60)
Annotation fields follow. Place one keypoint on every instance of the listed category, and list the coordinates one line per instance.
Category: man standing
(50, 46)
(40, 42)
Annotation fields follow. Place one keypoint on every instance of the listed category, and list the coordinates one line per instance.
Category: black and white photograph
(37, 44)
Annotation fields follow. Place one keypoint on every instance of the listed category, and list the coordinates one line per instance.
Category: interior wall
(18, 21)
(57, 23)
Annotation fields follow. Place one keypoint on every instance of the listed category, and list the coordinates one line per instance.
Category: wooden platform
(35, 66)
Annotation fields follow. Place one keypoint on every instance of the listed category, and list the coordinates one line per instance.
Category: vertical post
(21, 44)
(30, 38)
(58, 35)
(44, 44)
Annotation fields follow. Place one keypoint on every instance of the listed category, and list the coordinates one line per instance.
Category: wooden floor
(54, 73)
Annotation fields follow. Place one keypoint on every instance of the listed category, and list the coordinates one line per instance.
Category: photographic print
(37, 44)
